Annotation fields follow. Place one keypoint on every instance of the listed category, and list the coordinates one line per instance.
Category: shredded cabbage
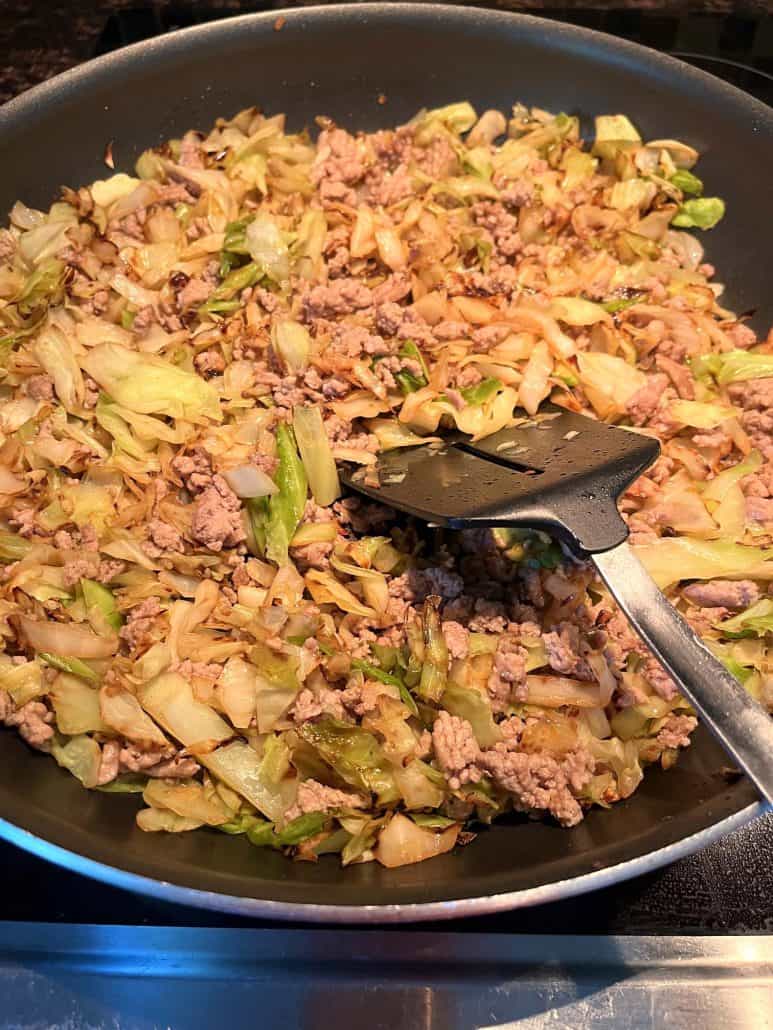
(150, 385)
(187, 354)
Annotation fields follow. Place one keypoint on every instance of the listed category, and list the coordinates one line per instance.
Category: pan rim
(561, 36)
(616, 47)
(417, 912)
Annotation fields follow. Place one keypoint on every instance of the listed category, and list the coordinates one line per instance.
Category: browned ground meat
(676, 731)
(316, 797)
(139, 624)
(34, 723)
(164, 536)
(41, 388)
(456, 749)
(540, 781)
(723, 593)
(456, 638)
(217, 520)
(507, 682)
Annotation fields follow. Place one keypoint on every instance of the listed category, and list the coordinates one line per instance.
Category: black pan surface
(338, 61)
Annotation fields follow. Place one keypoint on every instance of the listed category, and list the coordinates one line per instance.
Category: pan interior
(339, 61)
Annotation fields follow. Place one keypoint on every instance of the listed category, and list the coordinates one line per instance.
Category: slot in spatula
(563, 473)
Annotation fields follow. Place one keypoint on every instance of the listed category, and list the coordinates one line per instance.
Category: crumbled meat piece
(177, 768)
(144, 319)
(75, 571)
(34, 722)
(362, 517)
(742, 335)
(194, 468)
(306, 707)
(723, 593)
(191, 155)
(760, 509)
(340, 297)
(23, 520)
(642, 405)
(438, 159)
(395, 287)
(7, 246)
(416, 585)
(137, 630)
(353, 341)
(209, 362)
(451, 330)
(538, 781)
(756, 399)
(217, 520)
(501, 225)
(316, 797)
(621, 642)
(562, 649)
(676, 731)
(389, 318)
(196, 291)
(202, 670)
(160, 763)
(489, 617)
(173, 194)
(40, 388)
(109, 569)
(340, 158)
(313, 556)
(164, 536)
(361, 698)
(391, 187)
(109, 763)
(679, 374)
(518, 193)
(532, 588)
(659, 680)
(456, 638)
(507, 681)
(134, 759)
(456, 749)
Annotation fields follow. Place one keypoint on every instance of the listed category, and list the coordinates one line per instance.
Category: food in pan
(190, 609)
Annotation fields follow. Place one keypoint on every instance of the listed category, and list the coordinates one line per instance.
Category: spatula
(564, 473)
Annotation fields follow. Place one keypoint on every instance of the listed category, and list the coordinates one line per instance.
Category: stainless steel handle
(741, 725)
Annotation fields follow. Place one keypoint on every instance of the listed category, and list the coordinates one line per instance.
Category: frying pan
(343, 62)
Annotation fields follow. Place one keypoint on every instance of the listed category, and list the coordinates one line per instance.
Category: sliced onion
(316, 454)
(65, 639)
(250, 481)
(557, 691)
(292, 343)
(402, 842)
(9, 483)
(122, 712)
(133, 292)
(390, 249)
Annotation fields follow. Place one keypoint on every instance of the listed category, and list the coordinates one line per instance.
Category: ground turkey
(217, 519)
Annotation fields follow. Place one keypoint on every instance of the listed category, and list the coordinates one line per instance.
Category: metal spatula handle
(741, 725)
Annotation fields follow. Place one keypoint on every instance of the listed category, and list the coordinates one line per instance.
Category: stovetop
(726, 888)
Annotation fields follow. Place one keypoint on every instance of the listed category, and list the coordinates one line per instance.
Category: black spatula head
(560, 472)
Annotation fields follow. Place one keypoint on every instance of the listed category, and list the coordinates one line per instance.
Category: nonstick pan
(369, 66)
